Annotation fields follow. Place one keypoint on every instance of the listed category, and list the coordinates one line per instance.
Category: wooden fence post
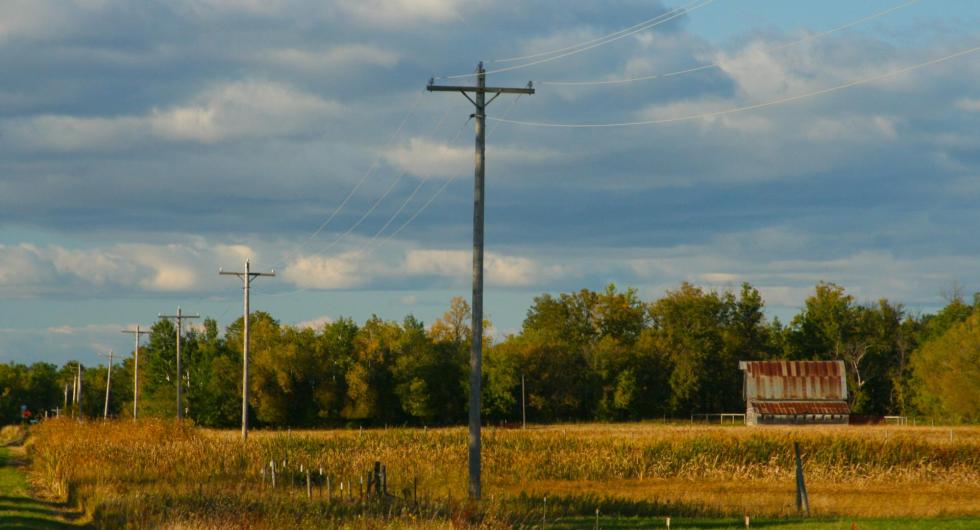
(802, 501)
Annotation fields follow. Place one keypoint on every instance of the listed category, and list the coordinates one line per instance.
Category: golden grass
(164, 473)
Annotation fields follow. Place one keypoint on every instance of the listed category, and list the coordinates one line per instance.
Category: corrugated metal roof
(794, 380)
(801, 407)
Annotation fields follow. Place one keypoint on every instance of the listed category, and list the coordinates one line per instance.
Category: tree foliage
(585, 355)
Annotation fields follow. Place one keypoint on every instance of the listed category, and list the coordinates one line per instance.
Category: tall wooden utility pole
(476, 348)
(179, 317)
(136, 368)
(78, 391)
(108, 385)
(246, 278)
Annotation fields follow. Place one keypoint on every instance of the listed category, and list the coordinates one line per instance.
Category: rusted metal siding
(793, 408)
(794, 380)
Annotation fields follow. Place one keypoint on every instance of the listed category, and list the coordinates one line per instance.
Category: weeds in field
(155, 473)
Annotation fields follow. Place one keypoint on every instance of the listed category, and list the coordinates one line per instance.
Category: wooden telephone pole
(136, 368)
(179, 317)
(247, 276)
(480, 104)
(108, 385)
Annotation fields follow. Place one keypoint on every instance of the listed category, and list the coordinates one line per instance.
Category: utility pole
(476, 347)
(246, 278)
(78, 391)
(179, 318)
(108, 384)
(136, 367)
(523, 405)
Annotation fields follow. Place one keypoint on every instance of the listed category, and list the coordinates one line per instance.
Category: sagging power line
(735, 110)
(637, 27)
(675, 14)
(810, 37)
(370, 171)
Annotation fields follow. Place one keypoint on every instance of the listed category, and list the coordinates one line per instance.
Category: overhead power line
(810, 37)
(597, 39)
(370, 170)
(411, 196)
(438, 192)
(383, 196)
(746, 108)
(676, 13)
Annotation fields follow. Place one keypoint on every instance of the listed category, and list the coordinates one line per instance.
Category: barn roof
(794, 380)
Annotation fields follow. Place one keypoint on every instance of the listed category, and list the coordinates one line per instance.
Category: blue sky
(143, 145)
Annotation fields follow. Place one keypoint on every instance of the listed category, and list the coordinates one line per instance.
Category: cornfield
(165, 474)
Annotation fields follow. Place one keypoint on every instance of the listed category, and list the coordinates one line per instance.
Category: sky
(146, 144)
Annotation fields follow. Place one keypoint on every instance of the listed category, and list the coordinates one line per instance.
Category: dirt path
(18, 510)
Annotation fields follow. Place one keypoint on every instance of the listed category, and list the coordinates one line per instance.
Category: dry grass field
(161, 474)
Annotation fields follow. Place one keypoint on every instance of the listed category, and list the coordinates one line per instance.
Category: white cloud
(41, 19)
(315, 323)
(242, 110)
(30, 270)
(354, 269)
(969, 104)
(227, 111)
(425, 157)
(318, 272)
(500, 270)
(222, 7)
(88, 328)
(401, 12)
(348, 55)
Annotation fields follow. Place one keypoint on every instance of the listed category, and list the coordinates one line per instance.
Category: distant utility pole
(246, 278)
(179, 318)
(523, 405)
(78, 391)
(476, 348)
(136, 367)
(108, 385)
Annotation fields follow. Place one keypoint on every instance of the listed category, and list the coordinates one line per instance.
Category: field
(161, 474)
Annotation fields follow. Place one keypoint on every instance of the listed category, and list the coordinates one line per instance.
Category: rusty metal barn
(794, 392)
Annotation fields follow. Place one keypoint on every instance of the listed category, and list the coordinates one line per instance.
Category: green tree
(945, 372)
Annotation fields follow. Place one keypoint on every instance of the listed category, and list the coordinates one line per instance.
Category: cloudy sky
(145, 144)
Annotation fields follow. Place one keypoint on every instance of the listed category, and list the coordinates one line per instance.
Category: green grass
(18, 510)
(624, 523)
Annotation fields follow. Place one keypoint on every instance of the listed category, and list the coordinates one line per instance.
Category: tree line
(584, 356)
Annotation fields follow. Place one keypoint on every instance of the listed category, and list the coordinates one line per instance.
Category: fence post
(802, 501)
(309, 485)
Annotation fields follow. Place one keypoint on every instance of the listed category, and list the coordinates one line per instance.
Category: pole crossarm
(490, 89)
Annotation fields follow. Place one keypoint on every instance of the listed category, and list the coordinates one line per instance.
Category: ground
(18, 508)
